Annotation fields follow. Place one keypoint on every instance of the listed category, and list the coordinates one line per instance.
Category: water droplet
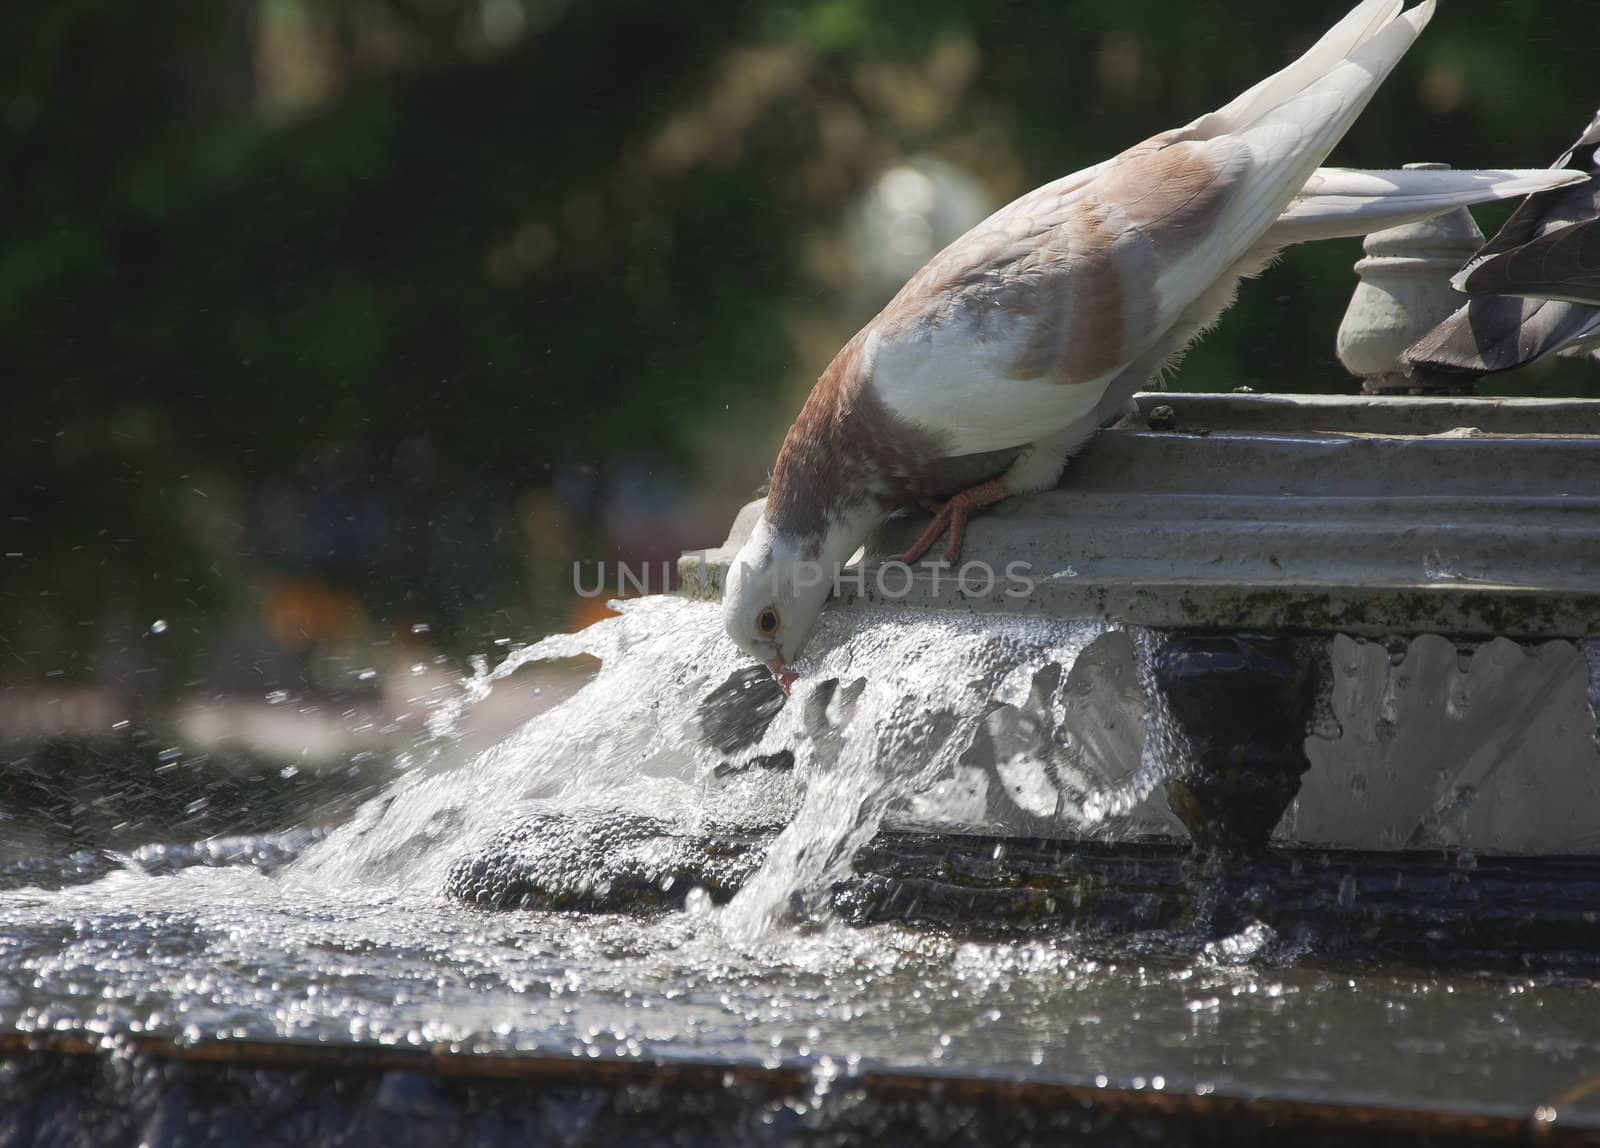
(1243, 945)
(159, 626)
(1438, 568)
(420, 627)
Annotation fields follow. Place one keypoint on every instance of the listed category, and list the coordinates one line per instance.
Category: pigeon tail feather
(1359, 25)
(1275, 137)
(1338, 203)
(1291, 139)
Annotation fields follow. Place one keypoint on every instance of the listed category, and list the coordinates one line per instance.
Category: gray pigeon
(1535, 286)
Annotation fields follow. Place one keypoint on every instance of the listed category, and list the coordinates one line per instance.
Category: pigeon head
(827, 494)
(784, 573)
(775, 588)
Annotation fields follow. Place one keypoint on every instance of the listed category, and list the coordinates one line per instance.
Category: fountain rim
(1364, 478)
(689, 1075)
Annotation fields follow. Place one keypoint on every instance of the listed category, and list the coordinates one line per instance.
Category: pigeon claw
(952, 516)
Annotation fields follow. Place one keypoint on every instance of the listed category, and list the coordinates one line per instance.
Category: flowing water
(343, 933)
(888, 709)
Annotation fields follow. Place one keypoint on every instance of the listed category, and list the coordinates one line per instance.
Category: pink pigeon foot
(952, 516)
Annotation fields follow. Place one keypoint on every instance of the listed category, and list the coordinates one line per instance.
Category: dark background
(333, 331)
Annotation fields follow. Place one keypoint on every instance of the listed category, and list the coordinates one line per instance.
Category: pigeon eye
(767, 622)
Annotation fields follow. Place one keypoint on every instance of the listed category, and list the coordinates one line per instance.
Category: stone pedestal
(1404, 293)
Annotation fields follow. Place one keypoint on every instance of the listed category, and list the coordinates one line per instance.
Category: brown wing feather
(1069, 273)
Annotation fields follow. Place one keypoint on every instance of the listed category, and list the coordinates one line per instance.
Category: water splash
(898, 705)
(900, 714)
(629, 735)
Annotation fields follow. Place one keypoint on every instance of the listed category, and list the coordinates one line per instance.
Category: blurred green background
(333, 331)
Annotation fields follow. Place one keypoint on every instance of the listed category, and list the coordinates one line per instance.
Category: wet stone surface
(1244, 704)
(1455, 910)
(735, 715)
(601, 861)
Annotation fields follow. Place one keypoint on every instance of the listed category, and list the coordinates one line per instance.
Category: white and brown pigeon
(1004, 354)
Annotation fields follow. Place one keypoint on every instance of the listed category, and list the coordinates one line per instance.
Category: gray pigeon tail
(1535, 286)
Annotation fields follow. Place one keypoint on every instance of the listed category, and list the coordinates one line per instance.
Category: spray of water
(923, 716)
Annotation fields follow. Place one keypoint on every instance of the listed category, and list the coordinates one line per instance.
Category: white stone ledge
(1355, 515)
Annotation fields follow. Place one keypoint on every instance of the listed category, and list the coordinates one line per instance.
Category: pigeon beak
(780, 670)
